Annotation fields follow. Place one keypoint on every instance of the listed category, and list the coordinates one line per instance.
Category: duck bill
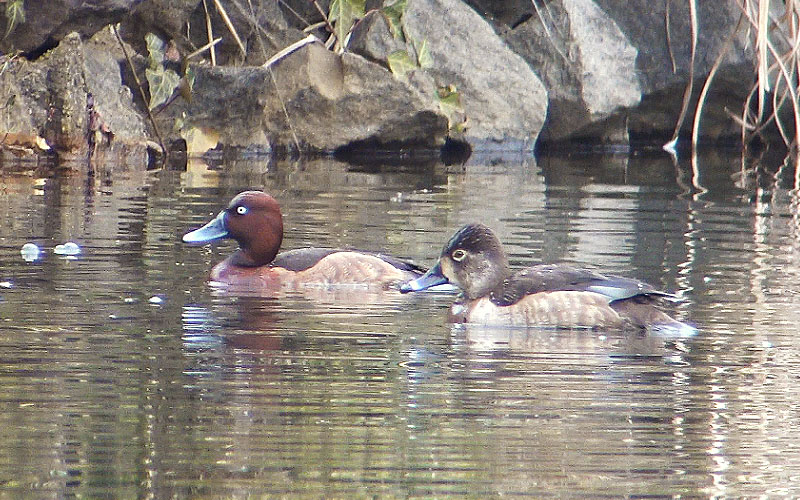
(214, 230)
(430, 279)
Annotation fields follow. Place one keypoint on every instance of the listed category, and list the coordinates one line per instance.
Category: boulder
(372, 39)
(47, 100)
(262, 31)
(609, 69)
(503, 99)
(318, 98)
(47, 22)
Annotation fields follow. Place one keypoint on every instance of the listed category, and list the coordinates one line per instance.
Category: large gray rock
(503, 99)
(609, 73)
(263, 31)
(49, 21)
(49, 99)
(324, 100)
(372, 38)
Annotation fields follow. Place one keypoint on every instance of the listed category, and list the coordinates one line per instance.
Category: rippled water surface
(123, 374)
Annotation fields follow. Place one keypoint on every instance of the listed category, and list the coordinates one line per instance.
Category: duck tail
(643, 314)
(673, 329)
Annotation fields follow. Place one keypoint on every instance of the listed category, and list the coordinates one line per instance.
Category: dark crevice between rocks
(372, 151)
(36, 53)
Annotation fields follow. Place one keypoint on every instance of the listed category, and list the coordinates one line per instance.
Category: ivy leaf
(400, 63)
(162, 84)
(424, 55)
(155, 47)
(394, 13)
(15, 15)
(344, 13)
(450, 104)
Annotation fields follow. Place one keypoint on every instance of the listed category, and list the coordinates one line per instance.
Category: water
(124, 375)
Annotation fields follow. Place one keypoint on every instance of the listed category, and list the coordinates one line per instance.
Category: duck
(254, 220)
(545, 295)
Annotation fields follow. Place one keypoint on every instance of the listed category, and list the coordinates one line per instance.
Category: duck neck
(261, 248)
(491, 279)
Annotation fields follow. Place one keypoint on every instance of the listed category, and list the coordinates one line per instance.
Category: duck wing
(554, 277)
(305, 258)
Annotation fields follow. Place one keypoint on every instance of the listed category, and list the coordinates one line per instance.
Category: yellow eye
(459, 255)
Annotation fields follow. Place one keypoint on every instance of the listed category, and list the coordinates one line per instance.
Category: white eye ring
(459, 255)
(241, 210)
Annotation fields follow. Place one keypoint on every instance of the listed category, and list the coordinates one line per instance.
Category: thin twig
(550, 35)
(205, 47)
(707, 85)
(273, 60)
(141, 91)
(210, 34)
(294, 12)
(229, 24)
(290, 49)
(324, 16)
(687, 94)
(669, 37)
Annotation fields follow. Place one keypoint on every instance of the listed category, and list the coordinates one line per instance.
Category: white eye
(459, 255)
(241, 210)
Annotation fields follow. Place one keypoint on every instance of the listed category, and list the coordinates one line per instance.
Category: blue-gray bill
(430, 279)
(214, 230)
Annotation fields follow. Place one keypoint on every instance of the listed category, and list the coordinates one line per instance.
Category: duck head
(253, 219)
(473, 260)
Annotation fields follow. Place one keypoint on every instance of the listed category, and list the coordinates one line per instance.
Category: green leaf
(162, 85)
(156, 49)
(450, 104)
(400, 63)
(424, 55)
(394, 14)
(343, 14)
(15, 15)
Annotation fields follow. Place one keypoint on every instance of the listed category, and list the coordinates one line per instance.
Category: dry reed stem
(231, 28)
(547, 30)
(209, 45)
(687, 94)
(141, 92)
(210, 34)
(707, 85)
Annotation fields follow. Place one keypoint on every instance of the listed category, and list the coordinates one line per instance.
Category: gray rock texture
(50, 98)
(49, 21)
(526, 73)
(503, 98)
(323, 99)
(609, 69)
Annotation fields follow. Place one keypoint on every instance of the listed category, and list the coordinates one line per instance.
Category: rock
(50, 97)
(262, 31)
(330, 101)
(609, 74)
(507, 13)
(47, 22)
(372, 38)
(502, 97)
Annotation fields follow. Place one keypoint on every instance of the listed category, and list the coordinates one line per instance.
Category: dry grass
(774, 29)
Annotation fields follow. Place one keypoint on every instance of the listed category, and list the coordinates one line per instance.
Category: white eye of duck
(241, 210)
(459, 255)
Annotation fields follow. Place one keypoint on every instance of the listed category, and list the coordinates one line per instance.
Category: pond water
(124, 375)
